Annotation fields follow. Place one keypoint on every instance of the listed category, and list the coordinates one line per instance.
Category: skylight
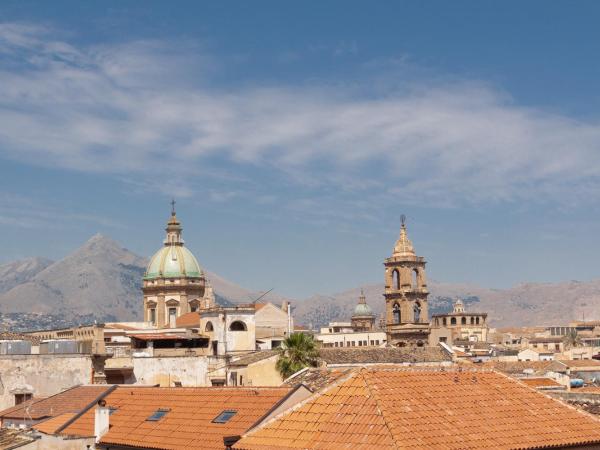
(158, 414)
(224, 416)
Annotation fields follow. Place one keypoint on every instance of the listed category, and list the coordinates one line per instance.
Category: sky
(293, 135)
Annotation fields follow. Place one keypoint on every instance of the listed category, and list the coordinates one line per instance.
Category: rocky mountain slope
(18, 272)
(521, 305)
(101, 281)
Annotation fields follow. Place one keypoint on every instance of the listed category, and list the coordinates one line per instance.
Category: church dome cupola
(173, 260)
(362, 309)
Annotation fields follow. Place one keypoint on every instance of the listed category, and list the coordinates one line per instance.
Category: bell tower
(407, 316)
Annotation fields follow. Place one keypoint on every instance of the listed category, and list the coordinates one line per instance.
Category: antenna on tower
(403, 219)
(173, 206)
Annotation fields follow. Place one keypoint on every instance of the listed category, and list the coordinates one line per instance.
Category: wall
(342, 339)
(271, 321)
(47, 442)
(164, 371)
(260, 373)
(44, 375)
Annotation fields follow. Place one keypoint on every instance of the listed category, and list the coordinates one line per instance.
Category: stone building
(174, 283)
(459, 326)
(407, 319)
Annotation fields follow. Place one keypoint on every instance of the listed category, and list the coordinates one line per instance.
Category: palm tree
(572, 339)
(297, 351)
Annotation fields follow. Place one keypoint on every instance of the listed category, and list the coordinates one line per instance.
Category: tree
(572, 339)
(297, 351)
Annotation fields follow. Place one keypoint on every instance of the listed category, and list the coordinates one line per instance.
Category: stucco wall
(45, 374)
(261, 373)
(165, 371)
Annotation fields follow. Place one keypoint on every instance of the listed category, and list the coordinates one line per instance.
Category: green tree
(297, 351)
(572, 340)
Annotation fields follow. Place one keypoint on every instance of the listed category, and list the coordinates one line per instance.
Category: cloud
(145, 108)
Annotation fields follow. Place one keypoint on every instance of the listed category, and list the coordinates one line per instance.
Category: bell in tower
(407, 316)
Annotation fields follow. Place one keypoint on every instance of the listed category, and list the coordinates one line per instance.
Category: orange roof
(393, 408)
(52, 425)
(189, 422)
(71, 400)
(580, 362)
(540, 382)
(258, 306)
(191, 319)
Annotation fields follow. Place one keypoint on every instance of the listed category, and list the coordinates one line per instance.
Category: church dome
(173, 260)
(362, 309)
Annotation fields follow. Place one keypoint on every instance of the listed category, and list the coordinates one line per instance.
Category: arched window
(415, 278)
(477, 321)
(396, 313)
(444, 321)
(453, 321)
(238, 325)
(463, 321)
(209, 326)
(417, 312)
(472, 320)
(396, 279)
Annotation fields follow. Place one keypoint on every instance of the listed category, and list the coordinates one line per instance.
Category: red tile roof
(398, 408)
(189, 422)
(540, 382)
(72, 400)
(52, 425)
(191, 319)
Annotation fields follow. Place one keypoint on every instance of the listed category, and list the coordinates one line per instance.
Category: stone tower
(174, 283)
(363, 318)
(407, 316)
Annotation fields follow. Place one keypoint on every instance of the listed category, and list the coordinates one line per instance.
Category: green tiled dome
(173, 261)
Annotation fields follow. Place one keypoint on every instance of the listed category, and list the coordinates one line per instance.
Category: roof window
(224, 416)
(158, 414)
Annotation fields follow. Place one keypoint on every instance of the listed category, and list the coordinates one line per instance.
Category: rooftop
(540, 382)
(393, 408)
(382, 355)
(517, 367)
(70, 401)
(189, 419)
(316, 379)
(252, 358)
(191, 319)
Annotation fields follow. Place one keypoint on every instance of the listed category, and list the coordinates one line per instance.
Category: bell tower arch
(407, 315)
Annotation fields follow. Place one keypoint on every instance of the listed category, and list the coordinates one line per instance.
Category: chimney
(101, 420)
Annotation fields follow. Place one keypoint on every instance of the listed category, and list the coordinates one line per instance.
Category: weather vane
(402, 219)
(173, 206)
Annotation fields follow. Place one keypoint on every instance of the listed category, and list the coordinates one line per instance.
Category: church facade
(174, 283)
(406, 311)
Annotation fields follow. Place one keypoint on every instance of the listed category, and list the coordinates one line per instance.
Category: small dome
(173, 261)
(362, 309)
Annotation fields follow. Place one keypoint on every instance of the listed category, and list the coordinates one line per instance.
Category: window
(372, 342)
(158, 414)
(225, 416)
(444, 321)
(377, 342)
(477, 320)
(396, 279)
(472, 320)
(208, 327)
(194, 308)
(415, 280)
(20, 398)
(152, 315)
(238, 325)
(396, 313)
(417, 312)
(172, 316)
(443, 339)
(453, 321)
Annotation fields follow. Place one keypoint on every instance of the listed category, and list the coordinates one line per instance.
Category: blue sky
(294, 135)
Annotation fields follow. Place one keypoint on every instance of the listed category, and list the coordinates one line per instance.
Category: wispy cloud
(143, 108)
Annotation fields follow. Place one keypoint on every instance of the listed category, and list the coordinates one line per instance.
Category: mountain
(101, 281)
(18, 272)
(522, 305)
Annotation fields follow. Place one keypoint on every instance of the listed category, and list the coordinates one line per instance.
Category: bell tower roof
(404, 246)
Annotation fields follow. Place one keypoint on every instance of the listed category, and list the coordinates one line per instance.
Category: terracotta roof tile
(393, 408)
(188, 423)
(52, 425)
(377, 355)
(253, 357)
(580, 363)
(517, 367)
(540, 382)
(316, 379)
(191, 319)
(72, 400)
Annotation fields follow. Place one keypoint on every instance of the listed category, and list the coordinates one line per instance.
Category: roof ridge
(379, 409)
(86, 409)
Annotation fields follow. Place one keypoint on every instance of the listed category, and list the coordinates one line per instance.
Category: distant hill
(521, 305)
(101, 281)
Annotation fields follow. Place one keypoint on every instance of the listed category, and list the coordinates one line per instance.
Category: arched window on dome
(238, 325)
(463, 321)
(396, 313)
(453, 321)
(209, 326)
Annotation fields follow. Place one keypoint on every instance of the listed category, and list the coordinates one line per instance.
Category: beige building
(407, 320)
(174, 283)
(459, 325)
